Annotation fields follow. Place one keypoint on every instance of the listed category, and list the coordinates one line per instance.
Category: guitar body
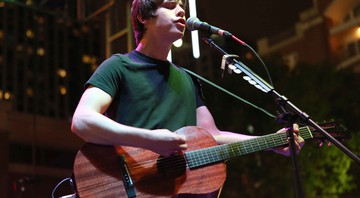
(98, 172)
(198, 172)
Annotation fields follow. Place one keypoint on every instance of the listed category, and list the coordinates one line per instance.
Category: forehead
(176, 1)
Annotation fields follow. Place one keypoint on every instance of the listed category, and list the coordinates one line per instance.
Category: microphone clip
(225, 62)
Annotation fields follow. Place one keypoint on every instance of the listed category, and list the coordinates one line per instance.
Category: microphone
(193, 23)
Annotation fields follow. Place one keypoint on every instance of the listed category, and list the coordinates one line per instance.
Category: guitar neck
(211, 155)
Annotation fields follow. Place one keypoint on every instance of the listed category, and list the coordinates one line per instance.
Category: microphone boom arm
(281, 100)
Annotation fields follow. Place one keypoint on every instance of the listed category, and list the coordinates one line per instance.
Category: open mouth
(181, 21)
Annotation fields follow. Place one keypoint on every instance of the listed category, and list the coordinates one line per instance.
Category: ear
(143, 21)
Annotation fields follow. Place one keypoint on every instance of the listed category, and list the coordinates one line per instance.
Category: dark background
(252, 19)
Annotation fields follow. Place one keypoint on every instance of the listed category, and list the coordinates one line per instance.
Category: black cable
(256, 54)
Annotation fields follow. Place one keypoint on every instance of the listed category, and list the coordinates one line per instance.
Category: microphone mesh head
(191, 23)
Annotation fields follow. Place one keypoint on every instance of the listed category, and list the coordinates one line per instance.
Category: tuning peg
(321, 143)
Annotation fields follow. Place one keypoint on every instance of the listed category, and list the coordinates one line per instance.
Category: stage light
(63, 90)
(358, 32)
(62, 73)
(29, 33)
(194, 34)
(7, 95)
(40, 51)
(178, 43)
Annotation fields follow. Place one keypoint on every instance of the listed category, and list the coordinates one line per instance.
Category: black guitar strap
(228, 92)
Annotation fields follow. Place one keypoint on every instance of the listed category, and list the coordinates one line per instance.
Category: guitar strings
(182, 161)
(175, 165)
(251, 147)
(177, 160)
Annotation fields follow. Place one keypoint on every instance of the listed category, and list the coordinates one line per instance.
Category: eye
(169, 5)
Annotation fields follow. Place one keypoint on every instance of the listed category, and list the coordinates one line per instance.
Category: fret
(224, 153)
(283, 138)
(267, 146)
(248, 148)
(269, 141)
(257, 141)
(244, 147)
(216, 156)
(208, 157)
(262, 143)
(305, 132)
(191, 159)
(237, 146)
(256, 144)
(272, 138)
(229, 152)
(212, 155)
(219, 153)
(252, 149)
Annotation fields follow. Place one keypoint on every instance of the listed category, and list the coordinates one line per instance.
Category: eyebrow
(180, 2)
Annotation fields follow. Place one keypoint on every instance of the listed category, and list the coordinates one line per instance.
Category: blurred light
(178, 43)
(194, 34)
(29, 34)
(30, 50)
(358, 32)
(29, 91)
(86, 59)
(2, 4)
(19, 47)
(7, 95)
(249, 56)
(60, 20)
(169, 57)
(93, 60)
(63, 90)
(192, 8)
(40, 51)
(85, 28)
(250, 128)
(195, 44)
(76, 33)
(41, 20)
(29, 2)
(1, 94)
(93, 67)
(62, 73)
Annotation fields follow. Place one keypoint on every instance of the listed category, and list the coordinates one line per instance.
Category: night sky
(250, 20)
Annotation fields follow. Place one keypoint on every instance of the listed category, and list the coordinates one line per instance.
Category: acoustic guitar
(121, 171)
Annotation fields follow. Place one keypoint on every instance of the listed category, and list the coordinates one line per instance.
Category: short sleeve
(107, 76)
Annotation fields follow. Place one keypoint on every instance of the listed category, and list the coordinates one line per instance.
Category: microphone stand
(290, 115)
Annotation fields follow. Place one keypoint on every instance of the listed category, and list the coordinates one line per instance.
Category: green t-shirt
(147, 92)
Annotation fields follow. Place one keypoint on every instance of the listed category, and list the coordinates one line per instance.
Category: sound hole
(173, 166)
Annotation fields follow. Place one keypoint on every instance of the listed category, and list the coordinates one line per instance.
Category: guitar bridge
(126, 178)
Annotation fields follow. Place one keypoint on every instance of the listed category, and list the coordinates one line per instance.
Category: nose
(180, 12)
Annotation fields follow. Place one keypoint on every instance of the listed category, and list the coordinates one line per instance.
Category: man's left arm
(206, 121)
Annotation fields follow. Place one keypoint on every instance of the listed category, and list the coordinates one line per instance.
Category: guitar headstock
(339, 132)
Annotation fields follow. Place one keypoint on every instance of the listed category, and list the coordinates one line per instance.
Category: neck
(156, 50)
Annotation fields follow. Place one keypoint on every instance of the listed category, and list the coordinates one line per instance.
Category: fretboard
(202, 157)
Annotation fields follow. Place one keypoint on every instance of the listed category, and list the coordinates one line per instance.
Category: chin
(178, 36)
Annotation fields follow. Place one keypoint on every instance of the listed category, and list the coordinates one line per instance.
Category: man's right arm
(91, 125)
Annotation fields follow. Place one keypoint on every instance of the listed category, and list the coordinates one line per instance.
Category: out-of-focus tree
(324, 93)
